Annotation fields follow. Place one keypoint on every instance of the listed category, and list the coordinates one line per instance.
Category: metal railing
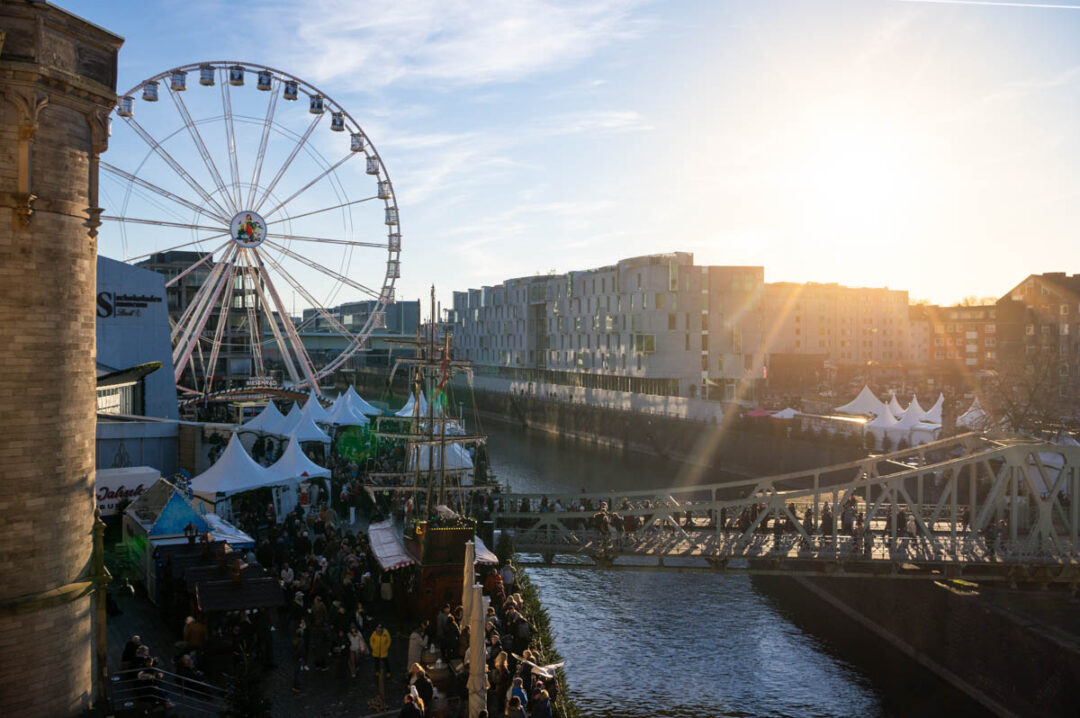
(155, 686)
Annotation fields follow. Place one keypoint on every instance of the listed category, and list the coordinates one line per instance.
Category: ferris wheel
(261, 217)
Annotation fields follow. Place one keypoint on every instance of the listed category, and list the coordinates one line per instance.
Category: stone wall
(57, 83)
(1012, 665)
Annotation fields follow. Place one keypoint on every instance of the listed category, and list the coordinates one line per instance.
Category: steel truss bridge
(973, 507)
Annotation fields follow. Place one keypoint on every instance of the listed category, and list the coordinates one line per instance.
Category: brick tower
(57, 87)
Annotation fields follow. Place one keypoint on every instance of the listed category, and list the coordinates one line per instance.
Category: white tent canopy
(457, 458)
(290, 421)
(314, 410)
(407, 410)
(305, 430)
(864, 403)
(974, 417)
(354, 400)
(788, 413)
(266, 422)
(234, 472)
(295, 465)
(343, 414)
(933, 414)
(917, 406)
(895, 407)
(880, 426)
(901, 430)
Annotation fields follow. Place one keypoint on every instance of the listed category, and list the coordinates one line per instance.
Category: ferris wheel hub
(248, 229)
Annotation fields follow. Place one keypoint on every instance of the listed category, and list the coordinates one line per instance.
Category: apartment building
(1045, 327)
(850, 325)
(656, 324)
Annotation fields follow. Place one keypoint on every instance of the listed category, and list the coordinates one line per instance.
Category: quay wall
(1009, 663)
(718, 443)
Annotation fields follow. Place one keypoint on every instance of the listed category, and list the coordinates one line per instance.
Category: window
(1029, 330)
(659, 300)
(990, 341)
(990, 356)
(671, 322)
(704, 342)
(645, 343)
(687, 337)
(990, 329)
(1064, 309)
(704, 362)
(1064, 330)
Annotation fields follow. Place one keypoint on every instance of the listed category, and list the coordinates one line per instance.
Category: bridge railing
(150, 689)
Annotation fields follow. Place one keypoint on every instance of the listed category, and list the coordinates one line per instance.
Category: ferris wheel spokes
(325, 270)
(264, 141)
(176, 166)
(200, 145)
(291, 281)
(215, 348)
(318, 177)
(164, 223)
(206, 257)
(328, 240)
(205, 211)
(317, 211)
(288, 161)
(193, 329)
(250, 276)
(290, 330)
(281, 342)
(230, 138)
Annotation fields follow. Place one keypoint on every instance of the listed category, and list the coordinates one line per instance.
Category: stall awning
(484, 554)
(387, 546)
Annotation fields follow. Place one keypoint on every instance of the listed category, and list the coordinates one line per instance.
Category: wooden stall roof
(230, 595)
(195, 575)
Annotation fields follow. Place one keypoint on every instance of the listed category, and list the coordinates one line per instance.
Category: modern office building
(657, 324)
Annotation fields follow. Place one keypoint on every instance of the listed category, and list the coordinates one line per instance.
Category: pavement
(322, 693)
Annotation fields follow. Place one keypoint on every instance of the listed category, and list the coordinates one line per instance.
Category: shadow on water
(692, 644)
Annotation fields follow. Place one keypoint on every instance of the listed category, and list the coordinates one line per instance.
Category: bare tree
(1025, 391)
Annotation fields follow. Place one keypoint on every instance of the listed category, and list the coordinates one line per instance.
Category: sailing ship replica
(439, 475)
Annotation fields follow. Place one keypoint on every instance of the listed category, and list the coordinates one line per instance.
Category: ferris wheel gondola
(267, 215)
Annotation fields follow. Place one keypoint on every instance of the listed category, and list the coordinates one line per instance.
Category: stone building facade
(57, 87)
(657, 324)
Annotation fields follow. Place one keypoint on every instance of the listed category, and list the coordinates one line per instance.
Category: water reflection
(688, 644)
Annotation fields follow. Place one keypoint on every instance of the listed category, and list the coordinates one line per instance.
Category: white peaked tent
(266, 422)
(788, 413)
(933, 414)
(864, 403)
(894, 407)
(880, 426)
(457, 458)
(901, 430)
(917, 406)
(350, 397)
(314, 410)
(289, 422)
(974, 417)
(343, 414)
(233, 473)
(294, 465)
(407, 410)
(305, 430)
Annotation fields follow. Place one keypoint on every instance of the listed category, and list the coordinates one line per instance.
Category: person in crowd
(509, 576)
(380, 649)
(419, 679)
(416, 643)
(451, 639)
(127, 658)
(412, 708)
(517, 691)
(541, 705)
(514, 708)
(358, 648)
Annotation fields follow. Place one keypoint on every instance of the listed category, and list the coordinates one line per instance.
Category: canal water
(685, 644)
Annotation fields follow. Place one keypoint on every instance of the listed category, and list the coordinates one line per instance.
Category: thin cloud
(996, 3)
(452, 42)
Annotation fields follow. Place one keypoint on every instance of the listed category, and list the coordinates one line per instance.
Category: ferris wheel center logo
(248, 229)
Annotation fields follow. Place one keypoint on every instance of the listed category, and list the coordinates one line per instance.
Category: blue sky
(928, 146)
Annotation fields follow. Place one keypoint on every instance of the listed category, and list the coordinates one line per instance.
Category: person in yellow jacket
(380, 649)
